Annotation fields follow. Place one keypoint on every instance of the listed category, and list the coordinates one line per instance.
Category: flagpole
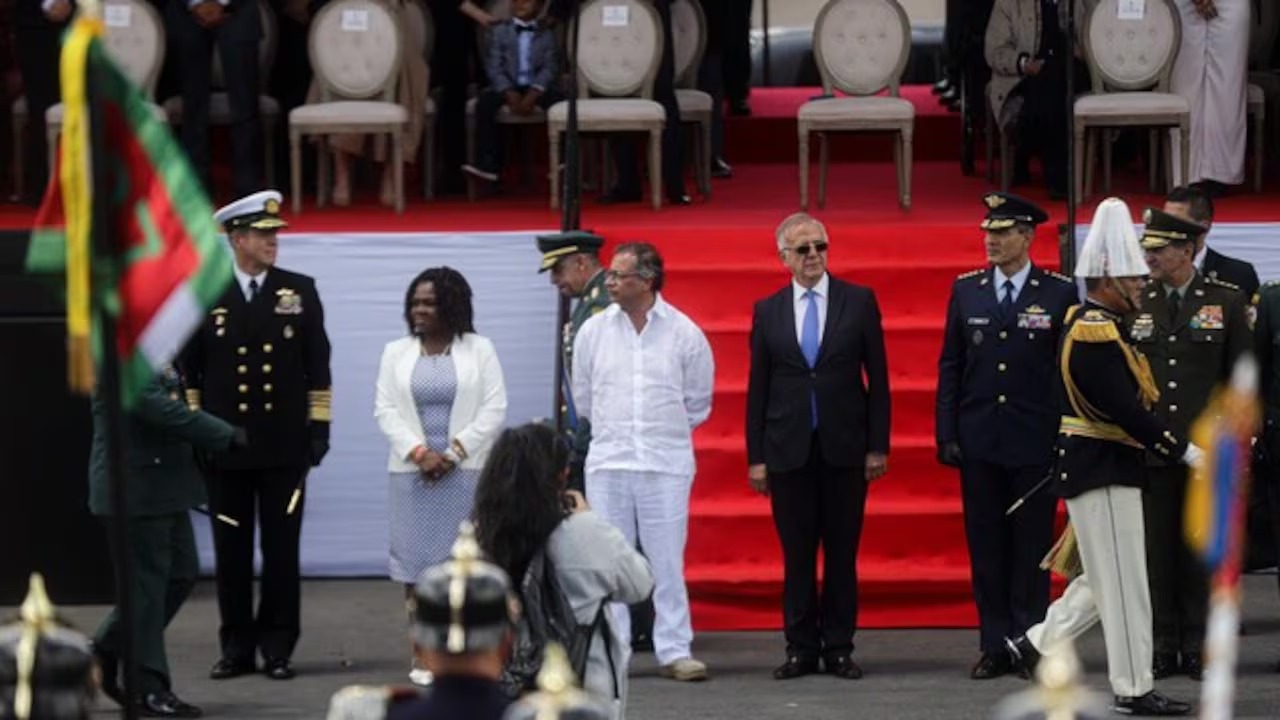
(571, 202)
(109, 393)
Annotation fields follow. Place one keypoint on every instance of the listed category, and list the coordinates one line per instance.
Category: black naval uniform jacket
(996, 372)
(265, 367)
(1105, 391)
(1217, 266)
(1193, 353)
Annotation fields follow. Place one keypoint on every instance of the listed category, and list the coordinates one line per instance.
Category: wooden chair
(861, 49)
(355, 48)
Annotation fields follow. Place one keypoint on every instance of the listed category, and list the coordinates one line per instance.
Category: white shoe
(420, 677)
(686, 669)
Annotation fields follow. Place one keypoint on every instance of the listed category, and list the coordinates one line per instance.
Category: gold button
(1004, 334)
(1031, 336)
(1061, 452)
(266, 368)
(1173, 385)
(1173, 408)
(1002, 399)
(244, 407)
(244, 388)
(266, 388)
(243, 369)
(266, 347)
(1173, 361)
(267, 407)
(1173, 338)
(242, 350)
(1002, 367)
(1064, 476)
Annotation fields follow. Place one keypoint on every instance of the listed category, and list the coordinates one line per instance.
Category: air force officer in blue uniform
(997, 420)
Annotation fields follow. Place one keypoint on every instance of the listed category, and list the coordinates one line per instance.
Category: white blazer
(479, 405)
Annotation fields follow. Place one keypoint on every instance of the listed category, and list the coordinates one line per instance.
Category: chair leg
(429, 161)
(397, 169)
(655, 167)
(1259, 127)
(1185, 136)
(804, 168)
(471, 158)
(53, 135)
(1078, 160)
(1153, 159)
(1090, 159)
(322, 170)
(989, 137)
(1107, 137)
(824, 158)
(1006, 161)
(19, 164)
(908, 152)
(704, 166)
(553, 145)
(295, 169)
(269, 145)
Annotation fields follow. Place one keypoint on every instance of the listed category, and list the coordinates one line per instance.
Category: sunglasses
(803, 250)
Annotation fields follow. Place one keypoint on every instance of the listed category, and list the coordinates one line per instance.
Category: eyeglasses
(620, 275)
(803, 250)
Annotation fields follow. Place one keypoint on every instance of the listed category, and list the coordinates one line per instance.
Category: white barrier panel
(362, 281)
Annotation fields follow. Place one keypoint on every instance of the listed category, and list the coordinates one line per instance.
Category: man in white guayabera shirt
(643, 374)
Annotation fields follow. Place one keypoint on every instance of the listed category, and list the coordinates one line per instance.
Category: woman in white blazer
(441, 402)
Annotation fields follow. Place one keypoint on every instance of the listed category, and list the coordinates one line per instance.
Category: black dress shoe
(679, 199)
(166, 704)
(642, 642)
(617, 195)
(941, 86)
(992, 665)
(1193, 666)
(279, 670)
(795, 667)
(950, 95)
(739, 108)
(1025, 656)
(109, 666)
(721, 169)
(1164, 664)
(227, 668)
(1153, 704)
(842, 666)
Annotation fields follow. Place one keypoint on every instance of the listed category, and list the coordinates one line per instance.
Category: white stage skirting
(362, 279)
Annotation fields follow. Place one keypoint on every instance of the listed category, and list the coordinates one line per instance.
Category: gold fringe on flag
(76, 176)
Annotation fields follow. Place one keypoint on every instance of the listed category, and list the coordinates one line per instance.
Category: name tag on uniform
(979, 321)
(288, 302)
(1208, 317)
(1144, 326)
(1035, 318)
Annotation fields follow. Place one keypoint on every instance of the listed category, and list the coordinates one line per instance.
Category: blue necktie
(1006, 305)
(809, 345)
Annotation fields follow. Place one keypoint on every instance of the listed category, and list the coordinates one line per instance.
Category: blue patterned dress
(425, 514)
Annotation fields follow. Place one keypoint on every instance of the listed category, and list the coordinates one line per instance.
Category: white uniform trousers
(1113, 588)
(653, 506)
(1212, 73)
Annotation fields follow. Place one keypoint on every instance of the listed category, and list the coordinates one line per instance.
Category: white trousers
(654, 507)
(1212, 73)
(1113, 588)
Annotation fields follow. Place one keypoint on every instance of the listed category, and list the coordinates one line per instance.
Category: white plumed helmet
(1111, 249)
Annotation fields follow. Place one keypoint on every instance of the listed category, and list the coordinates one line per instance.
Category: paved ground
(352, 634)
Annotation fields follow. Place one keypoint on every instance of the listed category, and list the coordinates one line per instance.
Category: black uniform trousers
(237, 41)
(237, 494)
(489, 139)
(162, 550)
(819, 506)
(452, 58)
(664, 93)
(38, 47)
(1010, 589)
(1179, 583)
(711, 72)
(737, 48)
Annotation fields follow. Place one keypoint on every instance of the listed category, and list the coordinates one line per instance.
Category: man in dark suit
(817, 435)
(1192, 329)
(523, 66)
(163, 485)
(261, 360)
(996, 420)
(1194, 204)
(234, 27)
(38, 28)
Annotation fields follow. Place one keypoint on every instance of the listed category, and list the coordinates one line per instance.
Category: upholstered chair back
(689, 37)
(861, 46)
(355, 48)
(135, 40)
(1127, 54)
(619, 48)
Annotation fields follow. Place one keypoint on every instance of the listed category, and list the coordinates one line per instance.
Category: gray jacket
(1013, 32)
(502, 63)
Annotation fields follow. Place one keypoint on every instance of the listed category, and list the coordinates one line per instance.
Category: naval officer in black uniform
(261, 361)
(1192, 328)
(996, 420)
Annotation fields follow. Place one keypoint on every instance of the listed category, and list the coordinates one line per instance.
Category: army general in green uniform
(163, 484)
(573, 258)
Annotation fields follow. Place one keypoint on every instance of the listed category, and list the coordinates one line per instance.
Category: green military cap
(563, 244)
(464, 604)
(46, 668)
(1163, 229)
(1004, 210)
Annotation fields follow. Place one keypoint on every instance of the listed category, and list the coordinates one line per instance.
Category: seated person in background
(463, 638)
(523, 66)
(61, 681)
(1027, 49)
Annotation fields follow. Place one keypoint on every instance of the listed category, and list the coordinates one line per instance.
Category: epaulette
(1221, 283)
(1094, 327)
(1060, 276)
(971, 273)
(1269, 283)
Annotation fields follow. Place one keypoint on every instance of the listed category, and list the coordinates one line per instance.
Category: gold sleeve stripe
(321, 405)
(193, 399)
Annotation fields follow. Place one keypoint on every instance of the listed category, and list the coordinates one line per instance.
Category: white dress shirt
(243, 278)
(644, 392)
(1019, 279)
(524, 41)
(821, 291)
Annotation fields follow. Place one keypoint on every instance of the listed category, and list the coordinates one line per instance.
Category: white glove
(1193, 455)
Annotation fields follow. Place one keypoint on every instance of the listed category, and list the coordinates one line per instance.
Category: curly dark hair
(520, 495)
(453, 299)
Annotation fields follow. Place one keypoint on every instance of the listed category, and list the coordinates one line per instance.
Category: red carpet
(912, 564)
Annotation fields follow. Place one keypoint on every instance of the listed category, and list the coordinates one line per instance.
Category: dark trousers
(290, 80)
(737, 49)
(451, 60)
(819, 506)
(1044, 122)
(162, 549)
(664, 93)
(489, 137)
(237, 494)
(1179, 584)
(1009, 588)
(237, 43)
(38, 48)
